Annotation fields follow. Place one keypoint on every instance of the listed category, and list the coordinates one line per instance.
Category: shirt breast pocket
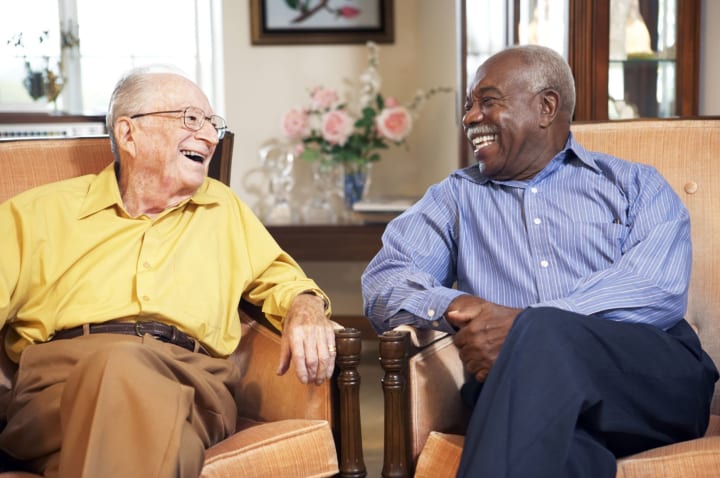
(594, 244)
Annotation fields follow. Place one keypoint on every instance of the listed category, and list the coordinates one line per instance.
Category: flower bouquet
(352, 131)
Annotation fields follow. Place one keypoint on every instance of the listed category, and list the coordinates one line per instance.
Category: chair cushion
(694, 458)
(440, 457)
(273, 449)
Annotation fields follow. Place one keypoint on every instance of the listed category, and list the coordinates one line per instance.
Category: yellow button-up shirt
(70, 254)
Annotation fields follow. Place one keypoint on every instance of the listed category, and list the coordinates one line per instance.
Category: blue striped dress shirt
(590, 233)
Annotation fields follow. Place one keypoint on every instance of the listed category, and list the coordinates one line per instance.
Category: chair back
(686, 152)
(27, 163)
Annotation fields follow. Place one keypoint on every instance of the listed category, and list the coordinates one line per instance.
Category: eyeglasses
(193, 119)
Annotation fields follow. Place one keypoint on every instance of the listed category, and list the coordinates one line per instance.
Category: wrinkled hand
(308, 339)
(483, 328)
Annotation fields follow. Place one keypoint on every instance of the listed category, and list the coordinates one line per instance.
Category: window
(113, 37)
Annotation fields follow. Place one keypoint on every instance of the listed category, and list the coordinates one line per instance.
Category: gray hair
(548, 69)
(130, 95)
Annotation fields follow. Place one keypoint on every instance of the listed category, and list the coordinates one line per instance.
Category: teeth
(194, 156)
(482, 141)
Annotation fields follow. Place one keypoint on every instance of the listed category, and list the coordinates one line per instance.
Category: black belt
(158, 330)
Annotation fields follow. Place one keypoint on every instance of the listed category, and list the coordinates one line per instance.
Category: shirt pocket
(592, 245)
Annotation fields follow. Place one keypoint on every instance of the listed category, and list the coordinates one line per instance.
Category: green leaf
(361, 123)
(368, 113)
(293, 4)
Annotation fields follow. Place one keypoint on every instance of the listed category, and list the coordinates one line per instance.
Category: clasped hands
(482, 328)
(308, 340)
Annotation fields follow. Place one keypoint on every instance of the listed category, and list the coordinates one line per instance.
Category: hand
(308, 339)
(483, 328)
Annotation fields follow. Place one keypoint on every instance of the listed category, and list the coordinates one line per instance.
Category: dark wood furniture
(589, 54)
(222, 159)
(329, 243)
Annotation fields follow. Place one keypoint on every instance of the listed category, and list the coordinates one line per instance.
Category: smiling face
(160, 156)
(509, 119)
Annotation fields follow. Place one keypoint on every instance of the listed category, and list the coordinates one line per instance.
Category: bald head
(543, 68)
(138, 88)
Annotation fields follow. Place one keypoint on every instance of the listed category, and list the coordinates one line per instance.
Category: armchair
(284, 428)
(424, 415)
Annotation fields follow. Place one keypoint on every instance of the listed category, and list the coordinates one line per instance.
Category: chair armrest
(265, 396)
(423, 376)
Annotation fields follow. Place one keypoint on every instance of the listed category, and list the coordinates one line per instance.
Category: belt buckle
(138, 328)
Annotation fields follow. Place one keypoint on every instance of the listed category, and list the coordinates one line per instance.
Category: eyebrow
(484, 91)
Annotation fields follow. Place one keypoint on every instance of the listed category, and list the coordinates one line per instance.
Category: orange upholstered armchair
(285, 428)
(424, 415)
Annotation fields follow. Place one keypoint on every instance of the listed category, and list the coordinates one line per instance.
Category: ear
(124, 135)
(549, 107)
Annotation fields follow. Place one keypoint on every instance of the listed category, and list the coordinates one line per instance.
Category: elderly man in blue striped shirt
(563, 275)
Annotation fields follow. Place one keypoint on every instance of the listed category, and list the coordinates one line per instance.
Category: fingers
(463, 309)
(332, 352)
(313, 355)
(310, 340)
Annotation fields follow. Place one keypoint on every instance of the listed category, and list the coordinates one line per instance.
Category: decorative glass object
(277, 161)
(320, 208)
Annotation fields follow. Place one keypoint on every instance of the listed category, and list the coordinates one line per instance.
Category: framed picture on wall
(307, 22)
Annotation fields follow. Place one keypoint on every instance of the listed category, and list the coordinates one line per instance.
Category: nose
(472, 116)
(208, 133)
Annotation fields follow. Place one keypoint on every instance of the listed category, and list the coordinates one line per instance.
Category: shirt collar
(572, 150)
(580, 153)
(104, 193)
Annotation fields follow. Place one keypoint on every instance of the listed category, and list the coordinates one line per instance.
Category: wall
(263, 81)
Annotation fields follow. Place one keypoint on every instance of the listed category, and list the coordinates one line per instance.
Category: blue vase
(356, 180)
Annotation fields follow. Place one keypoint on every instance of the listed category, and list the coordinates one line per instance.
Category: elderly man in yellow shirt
(150, 244)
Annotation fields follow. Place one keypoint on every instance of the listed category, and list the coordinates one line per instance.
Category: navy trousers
(569, 394)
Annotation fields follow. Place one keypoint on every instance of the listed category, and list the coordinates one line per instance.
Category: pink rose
(295, 123)
(348, 12)
(324, 98)
(337, 126)
(394, 123)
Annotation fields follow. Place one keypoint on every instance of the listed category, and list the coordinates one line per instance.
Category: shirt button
(537, 220)
(544, 263)
(435, 324)
(146, 265)
(533, 190)
(146, 298)
(431, 313)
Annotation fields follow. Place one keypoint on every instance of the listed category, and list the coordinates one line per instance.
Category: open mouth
(193, 156)
(480, 142)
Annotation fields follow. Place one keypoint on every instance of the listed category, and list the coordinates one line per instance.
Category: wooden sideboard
(328, 243)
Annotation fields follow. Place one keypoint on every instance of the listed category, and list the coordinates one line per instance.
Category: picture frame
(318, 22)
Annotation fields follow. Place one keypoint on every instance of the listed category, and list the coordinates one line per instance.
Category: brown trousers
(110, 405)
